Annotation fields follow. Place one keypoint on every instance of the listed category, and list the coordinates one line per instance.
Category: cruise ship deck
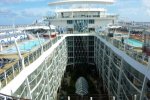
(82, 61)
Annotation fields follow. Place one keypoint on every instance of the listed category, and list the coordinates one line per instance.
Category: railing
(129, 50)
(17, 26)
(82, 16)
(9, 72)
(96, 97)
(6, 97)
(10, 28)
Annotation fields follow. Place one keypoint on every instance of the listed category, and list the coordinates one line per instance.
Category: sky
(27, 11)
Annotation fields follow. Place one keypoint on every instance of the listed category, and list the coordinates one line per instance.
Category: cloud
(35, 11)
(28, 12)
(5, 12)
(9, 1)
(18, 1)
(146, 5)
(33, 0)
(128, 14)
(22, 16)
(132, 10)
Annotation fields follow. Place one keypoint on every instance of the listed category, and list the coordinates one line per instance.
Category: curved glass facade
(44, 82)
(120, 78)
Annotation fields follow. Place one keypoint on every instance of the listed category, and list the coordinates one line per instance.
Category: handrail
(128, 52)
(98, 96)
(6, 97)
(92, 16)
(17, 65)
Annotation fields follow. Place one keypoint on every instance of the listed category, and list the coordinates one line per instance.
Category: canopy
(81, 86)
(81, 2)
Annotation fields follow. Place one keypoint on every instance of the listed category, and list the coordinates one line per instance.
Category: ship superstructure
(38, 73)
(82, 18)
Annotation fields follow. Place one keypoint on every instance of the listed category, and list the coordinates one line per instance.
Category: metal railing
(6, 97)
(18, 26)
(129, 50)
(97, 97)
(81, 16)
(9, 72)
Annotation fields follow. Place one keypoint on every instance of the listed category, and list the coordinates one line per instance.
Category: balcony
(11, 70)
(81, 16)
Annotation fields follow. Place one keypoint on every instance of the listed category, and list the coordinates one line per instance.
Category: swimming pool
(24, 47)
(133, 42)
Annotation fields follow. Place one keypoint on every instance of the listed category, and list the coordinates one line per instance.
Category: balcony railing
(9, 72)
(6, 97)
(130, 51)
(81, 16)
(97, 97)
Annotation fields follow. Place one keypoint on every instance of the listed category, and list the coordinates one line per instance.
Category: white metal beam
(81, 2)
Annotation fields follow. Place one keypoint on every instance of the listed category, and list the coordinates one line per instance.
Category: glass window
(91, 53)
(91, 48)
(70, 43)
(91, 21)
(69, 21)
(91, 42)
(91, 38)
(70, 49)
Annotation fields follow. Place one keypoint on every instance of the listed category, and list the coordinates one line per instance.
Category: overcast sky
(27, 11)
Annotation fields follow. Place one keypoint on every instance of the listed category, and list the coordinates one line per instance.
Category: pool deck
(9, 56)
(5, 48)
(9, 65)
(15, 56)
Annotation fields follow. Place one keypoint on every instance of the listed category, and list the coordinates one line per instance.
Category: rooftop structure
(81, 9)
(83, 19)
(81, 2)
(37, 74)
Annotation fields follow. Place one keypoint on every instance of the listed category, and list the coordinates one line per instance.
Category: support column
(1, 47)
(69, 98)
(87, 49)
(109, 70)
(114, 98)
(100, 74)
(145, 81)
(47, 78)
(119, 80)
(143, 88)
(42, 50)
(135, 97)
(103, 65)
(73, 53)
(5, 77)
(23, 65)
(91, 98)
(13, 72)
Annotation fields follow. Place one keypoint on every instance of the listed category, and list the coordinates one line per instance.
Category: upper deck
(81, 11)
(81, 2)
